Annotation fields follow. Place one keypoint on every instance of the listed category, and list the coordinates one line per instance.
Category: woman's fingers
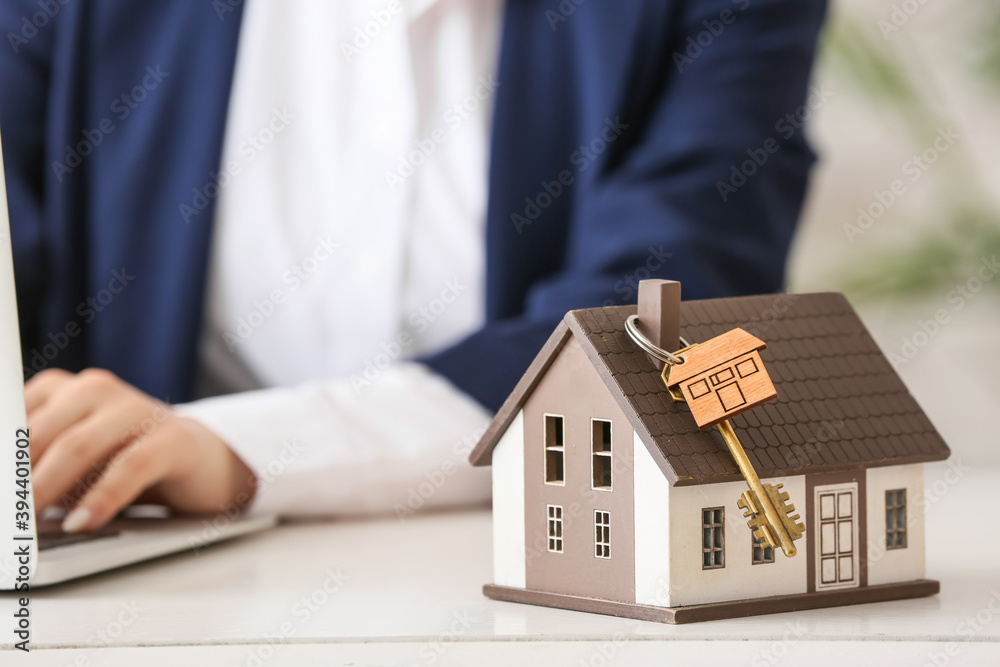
(38, 389)
(136, 467)
(98, 443)
(75, 457)
(62, 401)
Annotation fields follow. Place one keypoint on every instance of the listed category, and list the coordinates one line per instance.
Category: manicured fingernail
(76, 520)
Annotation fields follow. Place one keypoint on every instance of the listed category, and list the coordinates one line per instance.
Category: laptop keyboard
(50, 535)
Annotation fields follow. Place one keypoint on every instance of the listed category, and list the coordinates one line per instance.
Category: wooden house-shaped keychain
(724, 377)
(653, 463)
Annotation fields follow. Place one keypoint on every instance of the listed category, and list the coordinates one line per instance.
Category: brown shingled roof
(840, 403)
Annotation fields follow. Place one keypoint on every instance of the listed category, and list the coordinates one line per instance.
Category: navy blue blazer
(631, 138)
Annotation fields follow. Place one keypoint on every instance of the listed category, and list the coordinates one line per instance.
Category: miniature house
(607, 497)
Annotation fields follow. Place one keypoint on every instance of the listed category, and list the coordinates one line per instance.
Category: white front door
(836, 536)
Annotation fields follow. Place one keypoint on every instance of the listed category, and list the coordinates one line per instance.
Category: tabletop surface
(388, 591)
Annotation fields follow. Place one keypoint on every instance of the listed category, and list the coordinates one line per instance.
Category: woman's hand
(98, 444)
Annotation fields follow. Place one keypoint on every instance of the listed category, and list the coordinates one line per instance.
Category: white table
(410, 594)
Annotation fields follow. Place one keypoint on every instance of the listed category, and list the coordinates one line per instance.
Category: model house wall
(666, 524)
(739, 578)
(572, 391)
(888, 565)
(671, 523)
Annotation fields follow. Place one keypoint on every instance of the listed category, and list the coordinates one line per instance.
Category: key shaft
(773, 519)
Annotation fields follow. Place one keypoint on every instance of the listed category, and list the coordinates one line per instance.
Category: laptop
(40, 555)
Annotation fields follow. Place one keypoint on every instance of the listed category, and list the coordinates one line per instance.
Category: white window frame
(554, 521)
(548, 447)
(602, 534)
(594, 453)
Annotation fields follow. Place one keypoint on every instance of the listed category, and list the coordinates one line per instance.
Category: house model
(608, 498)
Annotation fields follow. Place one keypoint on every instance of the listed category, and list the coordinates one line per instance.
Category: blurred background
(903, 215)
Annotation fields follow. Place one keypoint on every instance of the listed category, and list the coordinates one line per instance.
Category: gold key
(765, 506)
(720, 379)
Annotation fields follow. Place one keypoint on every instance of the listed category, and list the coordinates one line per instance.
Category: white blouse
(348, 238)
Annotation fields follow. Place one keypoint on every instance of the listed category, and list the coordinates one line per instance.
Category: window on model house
(555, 453)
(895, 519)
(602, 534)
(555, 513)
(713, 554)
(600, 443)
(761, 552)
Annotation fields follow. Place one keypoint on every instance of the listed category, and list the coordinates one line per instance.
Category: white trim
(508, 506)
(652, 528)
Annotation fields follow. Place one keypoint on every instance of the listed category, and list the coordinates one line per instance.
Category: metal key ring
(647, 346)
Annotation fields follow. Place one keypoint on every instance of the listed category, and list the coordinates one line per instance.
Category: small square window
(698, 389)
(895, 519)
(747, 367)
